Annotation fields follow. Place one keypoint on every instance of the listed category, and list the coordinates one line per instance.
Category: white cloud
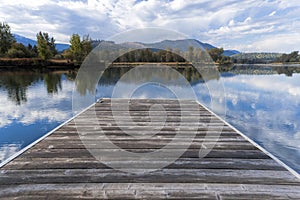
(272, 13)
(231, 23)
(277, 42)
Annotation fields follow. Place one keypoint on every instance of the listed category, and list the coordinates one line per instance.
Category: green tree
(79, 49)
(52, 46)
(67, 54)
(178, 55)
(169, 55)
(32, 50)
(46, 46)
(75, 47)
(6, 38)
(86, 44)
(190, 55)
(216, 54)
(291, 57)
(18, 50)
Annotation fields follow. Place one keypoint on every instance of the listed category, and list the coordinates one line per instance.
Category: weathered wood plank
(148, 144)
(162, 176)
(190, 153)
(182, 163)
(166, 130)
(150, 190)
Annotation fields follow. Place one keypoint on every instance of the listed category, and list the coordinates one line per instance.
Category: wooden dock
(59, 166)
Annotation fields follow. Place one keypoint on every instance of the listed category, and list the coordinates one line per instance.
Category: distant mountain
(230, 52)
(61, 47)
(26, 41)
(182, 45)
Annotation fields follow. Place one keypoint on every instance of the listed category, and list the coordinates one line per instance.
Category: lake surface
(263, 103)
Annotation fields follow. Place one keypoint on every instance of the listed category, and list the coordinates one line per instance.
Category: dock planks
(61, 167)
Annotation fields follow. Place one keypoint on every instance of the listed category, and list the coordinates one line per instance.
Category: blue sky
(250, 25)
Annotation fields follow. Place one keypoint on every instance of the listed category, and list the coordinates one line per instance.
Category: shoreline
(268, 64)
(33, 64)
(36, 64)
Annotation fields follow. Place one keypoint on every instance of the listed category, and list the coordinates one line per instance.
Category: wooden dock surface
(60, 167)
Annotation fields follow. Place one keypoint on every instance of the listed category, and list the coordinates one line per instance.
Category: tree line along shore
(44, 54)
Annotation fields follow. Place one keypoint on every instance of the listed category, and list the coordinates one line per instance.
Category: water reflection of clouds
(267, 109)
(39, 106)
(8, 150)
(151, 90)
(274, 83)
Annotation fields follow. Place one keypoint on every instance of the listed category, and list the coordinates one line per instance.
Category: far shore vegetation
(42, 54)
(45, 53)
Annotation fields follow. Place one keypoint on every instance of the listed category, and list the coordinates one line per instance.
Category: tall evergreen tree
(216, 54)
(75, 47)
(6, 38)
(46, 46)
(52, 46)
(80, 49)
(190, 53)
(86, 46)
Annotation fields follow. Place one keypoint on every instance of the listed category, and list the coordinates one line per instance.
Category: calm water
(263, 103)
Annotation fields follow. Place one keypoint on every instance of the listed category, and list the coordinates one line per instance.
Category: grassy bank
(35, 63)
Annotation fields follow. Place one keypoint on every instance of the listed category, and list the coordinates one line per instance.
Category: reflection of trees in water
(96, 63)
(52, 82)
(260, 69)
(86, 81)
(88, 75)
(288, 71)
(85, 84)
(113, 74)
(17, 94)
(71, 75)
(17, 83)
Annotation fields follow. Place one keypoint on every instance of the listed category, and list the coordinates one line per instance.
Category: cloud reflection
(39, 106)
(8, 150)
(267, 109)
